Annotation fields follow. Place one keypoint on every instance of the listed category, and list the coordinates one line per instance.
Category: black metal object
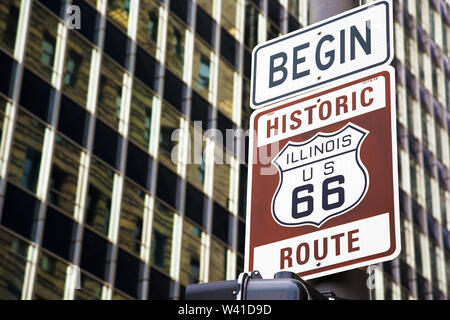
(251, 286)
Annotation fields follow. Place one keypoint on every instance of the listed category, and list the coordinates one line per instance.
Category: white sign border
(396, 213)
(390, 54)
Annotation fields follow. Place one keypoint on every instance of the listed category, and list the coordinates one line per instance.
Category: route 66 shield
(320, 178)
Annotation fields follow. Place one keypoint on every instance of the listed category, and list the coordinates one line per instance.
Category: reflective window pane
(226, 89)
(217, 261)
(9, 17)
(41, 44)
(131, 217)
(119, 10)
(162, 233)
(175, 46)
(50, 278)
(12, 266)
(98, 203)
(26, 151)
(77, 68)
(91, 289)
(140, 115)
(202, 69)
(191, 251)
(148, 25)
(170, 121)
(110, 93)
(64, 175)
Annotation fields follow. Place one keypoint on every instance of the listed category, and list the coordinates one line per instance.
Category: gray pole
(350, 284)
(322, 9)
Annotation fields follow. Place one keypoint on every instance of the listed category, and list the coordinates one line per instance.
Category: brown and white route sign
(323, 189)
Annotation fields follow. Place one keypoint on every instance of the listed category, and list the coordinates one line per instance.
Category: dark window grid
(71, 116)
(160, 284)
(171, 207)
(45, 108)
(182, 10)
(145, 166)
(9, 65)
(177, 95)
(20, 211)
(90, 21)
(205, 27)
(129, 269)
(229, 49)
(148, 71)
(119, 157)
(54, 8)
(119, 50)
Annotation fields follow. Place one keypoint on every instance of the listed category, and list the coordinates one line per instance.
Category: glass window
(91, 289)
(205, 26)
(94, 254)
(131, 218)
(222, 174)
(9, 17)
(176, 94)
(229, 12)
(141, 115)
(118, 10)
(50, 278)
(182, 9)
(167, 186)
(116, 43)
(36, 95)
(170, 121)
(19, 211)
(147, 68)
(201, 112)
(222, 222)
(160, 285)
(98, 203)
(26, 151)
(107, 144)
(202, 69)
(59, 233)
(294, 7)
(77, 68)
(228, 47)
(90, 19)
(191, 252)
(195, 205)
(128, 273)
(73, 120)
(110, 93)
(161, 245)
(41, 43)
(64, 175)
(273, 31)
(175, 46)
(217, 261)
(225, 89)
(195, 169)
(139, 165)
(8, 67)
(148, 25)
(207, 5)
(251, 25)
(12, 266)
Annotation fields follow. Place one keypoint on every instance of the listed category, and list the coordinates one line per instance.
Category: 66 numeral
(326, 193)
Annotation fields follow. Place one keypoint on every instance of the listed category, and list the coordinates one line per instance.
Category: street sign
(323, 190)
(329, 50)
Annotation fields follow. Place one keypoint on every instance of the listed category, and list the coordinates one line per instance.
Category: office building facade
(99, 173)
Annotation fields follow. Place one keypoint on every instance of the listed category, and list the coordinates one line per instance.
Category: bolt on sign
(323, 190)
(326, 51)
